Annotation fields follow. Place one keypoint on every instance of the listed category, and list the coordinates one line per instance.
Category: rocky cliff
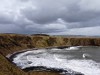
(10, 43)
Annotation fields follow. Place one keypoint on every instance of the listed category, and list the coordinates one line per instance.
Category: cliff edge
(10, 43)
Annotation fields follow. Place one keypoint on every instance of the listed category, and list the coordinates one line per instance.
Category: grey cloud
(78, 16)
(9, 28)
(50, 12)
(6, 19)
(42, 16)
(81, 31)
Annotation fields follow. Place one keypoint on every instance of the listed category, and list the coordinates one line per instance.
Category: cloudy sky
(61, 17)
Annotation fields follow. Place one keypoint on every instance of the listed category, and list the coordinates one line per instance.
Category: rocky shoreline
(61, 71)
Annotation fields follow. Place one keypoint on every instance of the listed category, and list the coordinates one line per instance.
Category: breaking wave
(56, 60)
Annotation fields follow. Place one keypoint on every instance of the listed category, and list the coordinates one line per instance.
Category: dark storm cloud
(6, 19)
(49, 12)
(49, 16)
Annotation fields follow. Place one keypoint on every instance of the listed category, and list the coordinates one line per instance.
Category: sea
(82, 59)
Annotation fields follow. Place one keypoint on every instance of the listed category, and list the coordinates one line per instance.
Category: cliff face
(85, 41)
(10, 43)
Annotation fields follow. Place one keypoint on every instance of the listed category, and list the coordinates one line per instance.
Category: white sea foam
(55, 49)
(56, 57)
(73, 48)
(87, 67)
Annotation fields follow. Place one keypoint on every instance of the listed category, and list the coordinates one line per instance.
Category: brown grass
(10, 43)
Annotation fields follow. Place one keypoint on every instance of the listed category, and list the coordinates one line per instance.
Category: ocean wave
(43, 58)
(73, 48)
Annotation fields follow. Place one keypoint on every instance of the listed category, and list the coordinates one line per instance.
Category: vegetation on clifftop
(10, 43)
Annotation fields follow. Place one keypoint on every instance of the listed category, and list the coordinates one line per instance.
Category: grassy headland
(10, 43)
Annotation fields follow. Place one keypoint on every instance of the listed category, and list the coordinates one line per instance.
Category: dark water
(92, 53)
